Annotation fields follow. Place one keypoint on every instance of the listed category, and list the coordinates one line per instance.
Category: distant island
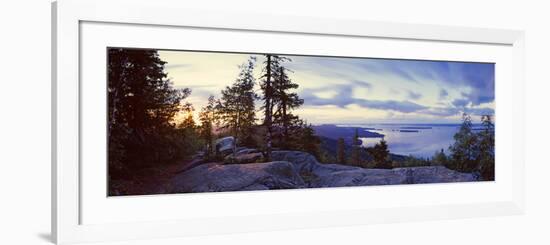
(417, 127)
(408, 131)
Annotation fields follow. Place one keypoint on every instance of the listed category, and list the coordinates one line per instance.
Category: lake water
(420, 140)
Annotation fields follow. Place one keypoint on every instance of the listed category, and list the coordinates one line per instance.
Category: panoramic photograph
(195, 121)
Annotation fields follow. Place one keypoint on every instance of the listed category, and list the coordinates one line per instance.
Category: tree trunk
(117, 84)
(268, 109)
(237, 125)
(341, 151)
(285, 122)
(113, 114)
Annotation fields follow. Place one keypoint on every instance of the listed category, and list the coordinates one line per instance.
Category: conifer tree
(380, 154)
(236, 108)
(207, 118)
(307, 141)
(268, 73)
(140, 95)
(268, 93)
(440, 158)
(284, 101)
(341, 154)
(463, 151)
(355, 150)
(188, 122)
(142, 104)
(486, 148)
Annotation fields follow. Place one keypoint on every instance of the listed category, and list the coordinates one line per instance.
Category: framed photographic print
(189, 122)
(275, 121)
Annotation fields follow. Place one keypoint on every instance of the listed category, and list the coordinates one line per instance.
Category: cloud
(453, 111)
(443, 94)
(480, 111)
(197, 86)
(401, 106)
(478, 78)
(388, 66)
(344, 98)
(460, 102)
(176, 66)
(394, 91)
(442, 111)
(414, 96)
(361, 83)
(481, 80)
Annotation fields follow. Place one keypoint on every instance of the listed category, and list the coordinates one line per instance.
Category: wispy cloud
(460, 103)
(453, 111)
(177, 66)
(414, 96)
(344, 98)
(443, 94)
(361, 83)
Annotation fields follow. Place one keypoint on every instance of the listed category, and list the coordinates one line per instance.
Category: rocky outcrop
(295, 169)
(335, 175)
(214, 177)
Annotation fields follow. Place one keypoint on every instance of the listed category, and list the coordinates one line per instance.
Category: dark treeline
(472, 151)
(142, 104)
(377, 156)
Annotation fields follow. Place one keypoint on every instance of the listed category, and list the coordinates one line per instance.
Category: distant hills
(334, 132)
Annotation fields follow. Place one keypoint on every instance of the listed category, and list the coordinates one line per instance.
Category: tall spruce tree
(486, 148)
(284, 101)
(307, 141)
(463, 151)
(207, 117)
(139, 93)
(439, 158)
(341, 153)
(237, 110)
(142, 103)
(271, 65)
(268, 111)
(380, 154)
(355, 150)
(188, 121)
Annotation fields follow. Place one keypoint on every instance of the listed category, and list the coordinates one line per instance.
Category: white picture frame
(68, 17)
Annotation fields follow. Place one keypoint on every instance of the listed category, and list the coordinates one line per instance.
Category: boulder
(224, 145)
(244, 155)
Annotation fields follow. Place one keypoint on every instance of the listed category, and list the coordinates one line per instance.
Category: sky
(339, 90)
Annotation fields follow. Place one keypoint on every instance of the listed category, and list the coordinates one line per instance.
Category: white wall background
(25, 122)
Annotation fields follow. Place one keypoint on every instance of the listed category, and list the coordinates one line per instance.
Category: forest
(151, 128)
